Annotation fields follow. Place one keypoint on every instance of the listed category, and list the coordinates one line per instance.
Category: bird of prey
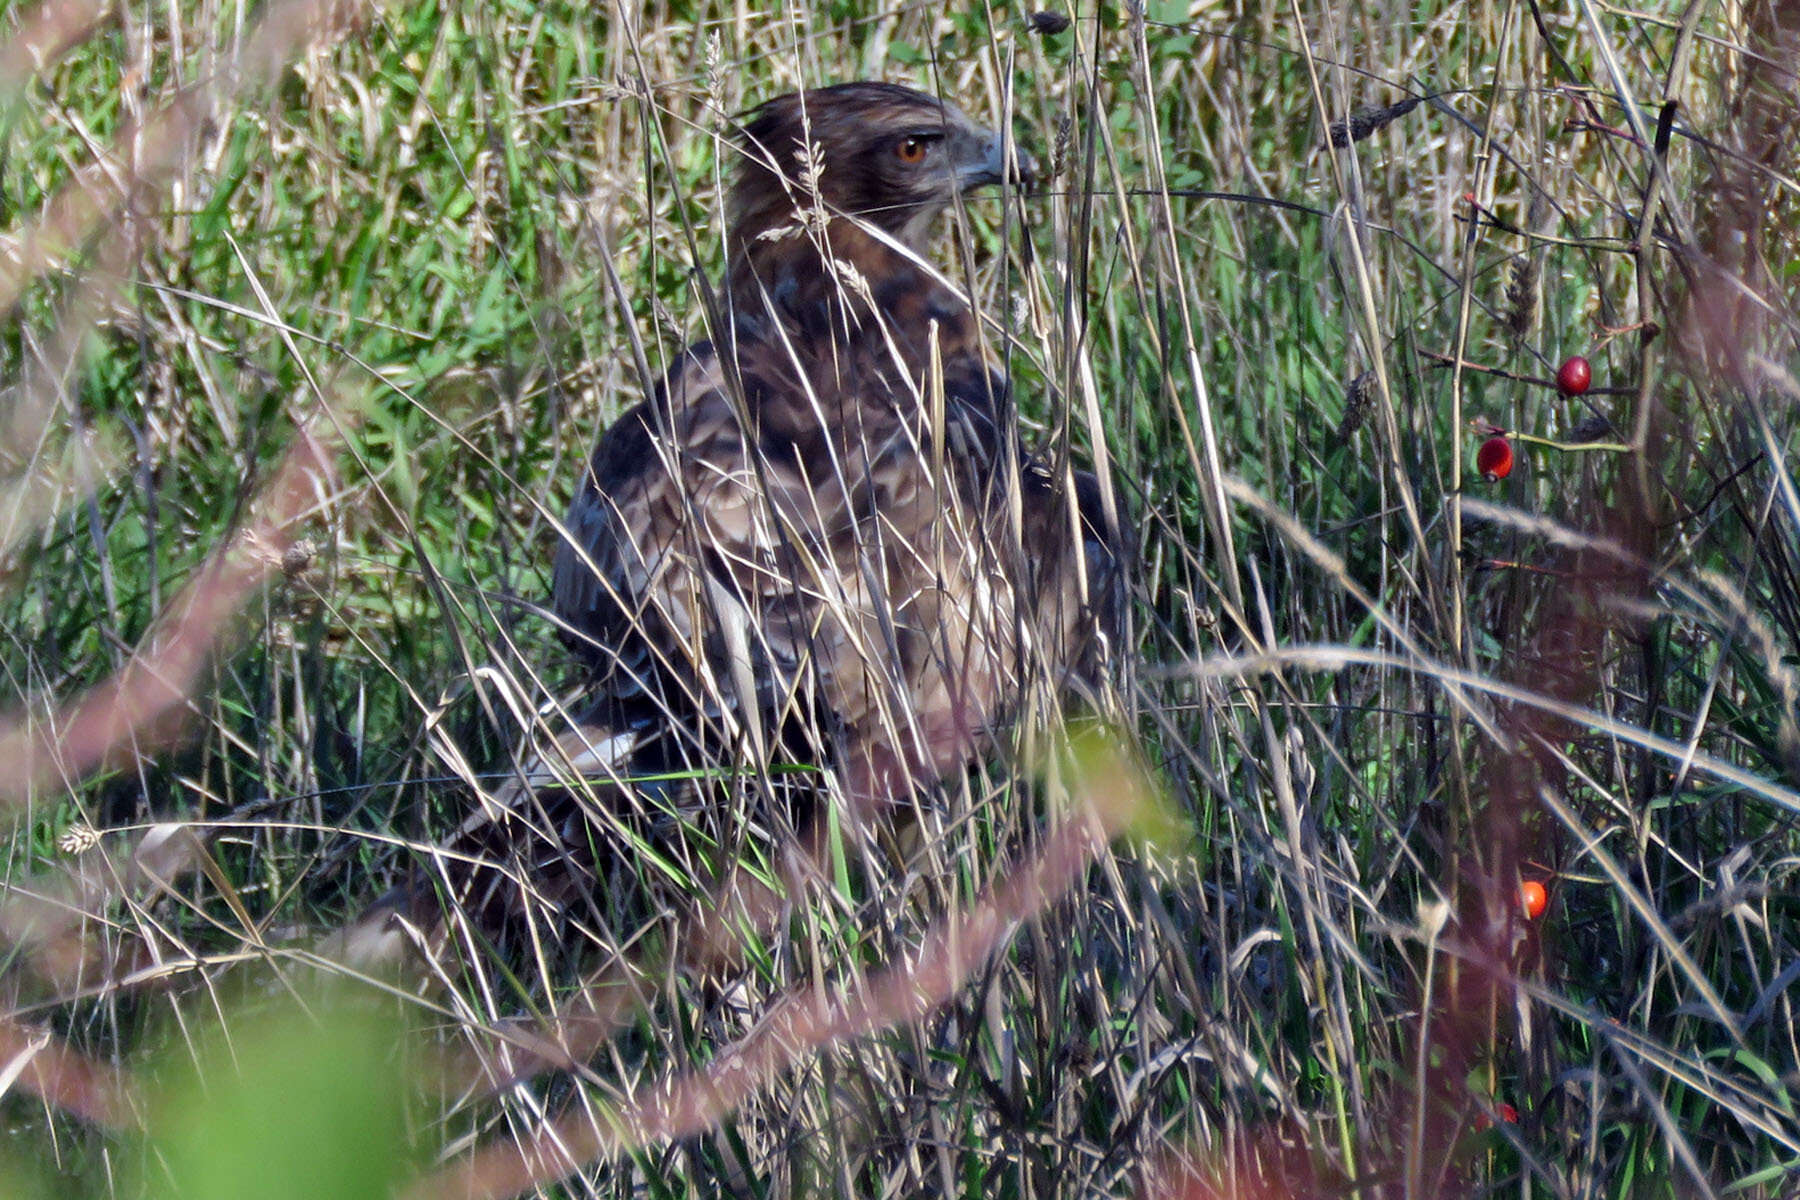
(820, 540)
(823, 522)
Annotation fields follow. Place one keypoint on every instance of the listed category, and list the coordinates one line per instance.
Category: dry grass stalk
(144, 705)
(144, 158)
(813, 1018)
(45, 34)
(1335, 802)
(37, 1061)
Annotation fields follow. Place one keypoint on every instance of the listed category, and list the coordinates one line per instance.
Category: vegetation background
(313, 311)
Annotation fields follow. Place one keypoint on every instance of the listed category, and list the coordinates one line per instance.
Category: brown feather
(858, 536)
(820, 539)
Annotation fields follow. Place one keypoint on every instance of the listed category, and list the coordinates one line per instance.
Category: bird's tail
(528, 847)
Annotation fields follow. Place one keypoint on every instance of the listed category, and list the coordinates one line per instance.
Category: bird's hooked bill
(1021, 172)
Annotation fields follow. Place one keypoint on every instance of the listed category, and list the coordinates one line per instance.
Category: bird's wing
(858, 546)
(686, 567)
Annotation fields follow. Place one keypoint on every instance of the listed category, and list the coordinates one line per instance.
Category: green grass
(417, 227)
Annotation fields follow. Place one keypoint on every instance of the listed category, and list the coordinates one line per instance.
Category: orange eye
(910, 150)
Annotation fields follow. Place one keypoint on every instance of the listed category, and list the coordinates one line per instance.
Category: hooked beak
(993, 168)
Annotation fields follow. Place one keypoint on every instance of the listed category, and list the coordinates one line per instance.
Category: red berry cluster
(1494, 461)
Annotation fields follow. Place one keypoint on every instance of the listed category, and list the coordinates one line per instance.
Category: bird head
(884, 154)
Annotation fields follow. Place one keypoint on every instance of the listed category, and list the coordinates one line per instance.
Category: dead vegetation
(314, 311)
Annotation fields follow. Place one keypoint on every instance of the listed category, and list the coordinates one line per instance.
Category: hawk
(821, 535)
(819, 540)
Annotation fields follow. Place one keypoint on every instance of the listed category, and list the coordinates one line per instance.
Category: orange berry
(1534, 897)
(1494, 460)
(1574, 376)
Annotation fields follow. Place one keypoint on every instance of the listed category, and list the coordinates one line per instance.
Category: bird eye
(910, 150)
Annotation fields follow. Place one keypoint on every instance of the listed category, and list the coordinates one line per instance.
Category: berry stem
(1568, 447)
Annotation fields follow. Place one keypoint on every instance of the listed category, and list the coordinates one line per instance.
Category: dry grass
(1379, 690)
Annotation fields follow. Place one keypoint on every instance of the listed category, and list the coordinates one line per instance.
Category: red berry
(1574, 376)
(1494, 459)
(1507, 1113)
(1534, 897)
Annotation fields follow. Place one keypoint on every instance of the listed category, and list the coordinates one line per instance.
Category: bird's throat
(838, 280)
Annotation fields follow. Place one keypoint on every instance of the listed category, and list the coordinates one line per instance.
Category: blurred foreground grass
(464, 223)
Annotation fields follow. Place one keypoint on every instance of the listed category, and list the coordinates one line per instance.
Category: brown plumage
(847, 534)
(819, 540)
